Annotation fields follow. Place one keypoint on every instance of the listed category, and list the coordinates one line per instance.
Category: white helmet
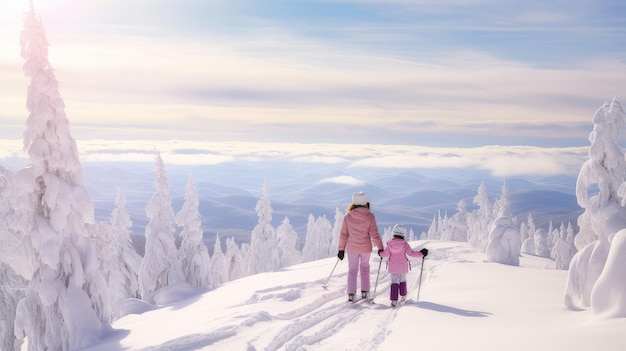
(399, 230)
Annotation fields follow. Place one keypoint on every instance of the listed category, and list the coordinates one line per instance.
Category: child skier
(398, 266)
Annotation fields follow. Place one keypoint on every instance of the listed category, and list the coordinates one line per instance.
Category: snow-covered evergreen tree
(528, 245)
(235, 260)
(318, 239)
(411, 235)
(336, 231)
(219, 268)
(603, 215)
(523, 232)
(287, 244)
(433, 232)
(123, 280)
(502, 206)
(11, 292)
(263, 243)
(457, 228)
(561, 252)
(194, 255)
(504, 242)
(541, 243)
(66, 303)
(608, 297)
(571, 239)
(160, 266)
(480, 219)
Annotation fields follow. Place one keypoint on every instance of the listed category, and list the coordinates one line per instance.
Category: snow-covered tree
(219, 268)
(123, 280)
(318, 239)
(66, 304)
(457, 228)
(263, 253)
(480, 219)
(433, 231)
(502, 206)
(11, 292)
(194, 255)
(528, 245)
(235, 260)
(287, 244)
(411, 235)
(541, 243)
(336, 231)
(603, 214)
(571, 239)
(561, 252)
(608, 296)
(523, 231)
(504, 242)
(160, 266)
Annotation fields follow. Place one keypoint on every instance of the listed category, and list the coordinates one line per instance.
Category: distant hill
(229, 192)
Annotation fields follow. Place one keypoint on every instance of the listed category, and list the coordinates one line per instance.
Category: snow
(466, 303)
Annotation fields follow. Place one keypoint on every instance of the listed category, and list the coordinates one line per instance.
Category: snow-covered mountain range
(228, 193)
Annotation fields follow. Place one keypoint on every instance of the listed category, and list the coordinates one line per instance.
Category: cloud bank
(498, 160)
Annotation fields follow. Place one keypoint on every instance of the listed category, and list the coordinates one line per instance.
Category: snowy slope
(465, 303)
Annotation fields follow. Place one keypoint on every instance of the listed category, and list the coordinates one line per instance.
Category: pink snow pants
(356, 263)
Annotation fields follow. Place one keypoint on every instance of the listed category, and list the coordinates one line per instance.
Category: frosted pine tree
(541, 243)
(194, 255)
(11, 284)
(561, 252)
(603, 213)
(219, 268)
(504, 242)
(263, 253)
(123, 280)
(336, 231)
(528, 245)
(11, 292)
(160, 266)
(318, 239)
(411, 235)
(235, 260)
(571, 239)
(432, 233)
(287, 244)
(480, 219)
(311, 241)
(457, 228)
(502, 207)
(66, 304)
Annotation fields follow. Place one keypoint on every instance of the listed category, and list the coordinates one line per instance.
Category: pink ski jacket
(358, 230)
(397, 250)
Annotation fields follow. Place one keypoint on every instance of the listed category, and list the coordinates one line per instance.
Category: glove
(424, 252)
(380, 252)
(340, 254)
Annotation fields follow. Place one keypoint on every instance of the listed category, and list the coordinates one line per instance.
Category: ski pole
(419, 284)
(331, 273)
(377, 274)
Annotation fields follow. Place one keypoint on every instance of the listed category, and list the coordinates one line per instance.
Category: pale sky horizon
(449, 73)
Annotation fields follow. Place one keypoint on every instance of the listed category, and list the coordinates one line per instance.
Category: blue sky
(449, 73)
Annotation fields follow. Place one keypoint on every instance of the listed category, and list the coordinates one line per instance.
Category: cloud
(346, 180)
(385, 79)
(499, 160)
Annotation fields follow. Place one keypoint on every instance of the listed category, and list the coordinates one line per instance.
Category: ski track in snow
(315, 314)
(314, 322)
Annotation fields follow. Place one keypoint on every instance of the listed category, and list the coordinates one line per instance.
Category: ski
(361, 300)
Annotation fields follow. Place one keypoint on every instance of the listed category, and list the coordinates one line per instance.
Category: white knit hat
(399, 230)
(359, 198)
